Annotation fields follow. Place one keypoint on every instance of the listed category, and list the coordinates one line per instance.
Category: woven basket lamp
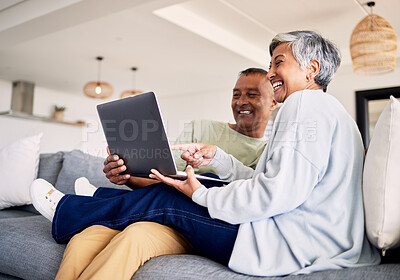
(98, 89)
(131, 92)
(373, 46)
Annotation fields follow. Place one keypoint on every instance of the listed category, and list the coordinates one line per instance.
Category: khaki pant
(99, 252)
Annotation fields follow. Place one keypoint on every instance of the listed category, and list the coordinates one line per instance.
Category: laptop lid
(134, 130)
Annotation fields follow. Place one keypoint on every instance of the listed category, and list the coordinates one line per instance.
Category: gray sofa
(28, 251)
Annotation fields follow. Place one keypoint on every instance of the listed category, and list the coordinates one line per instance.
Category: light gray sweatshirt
(301, 209)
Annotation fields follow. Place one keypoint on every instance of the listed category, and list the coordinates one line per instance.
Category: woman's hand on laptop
(188, 187)
(196, 154)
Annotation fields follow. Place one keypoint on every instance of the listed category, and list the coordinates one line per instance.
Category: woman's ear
(274, 104)
(313, 68)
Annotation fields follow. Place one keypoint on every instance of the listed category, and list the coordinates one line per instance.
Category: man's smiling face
(251, 100)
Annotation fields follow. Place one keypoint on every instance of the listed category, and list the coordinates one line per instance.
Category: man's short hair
(250, 71)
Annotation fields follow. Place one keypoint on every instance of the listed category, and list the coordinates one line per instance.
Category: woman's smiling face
(285, 73)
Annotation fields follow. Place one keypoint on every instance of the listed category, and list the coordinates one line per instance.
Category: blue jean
(159, 203)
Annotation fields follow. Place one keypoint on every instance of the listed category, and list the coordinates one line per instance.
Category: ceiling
(179, 47)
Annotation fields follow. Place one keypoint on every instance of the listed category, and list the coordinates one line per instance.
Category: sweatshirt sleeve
(286, 183)
(229, 168)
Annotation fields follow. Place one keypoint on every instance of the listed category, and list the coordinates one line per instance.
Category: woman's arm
(229, 168)
(285, 184)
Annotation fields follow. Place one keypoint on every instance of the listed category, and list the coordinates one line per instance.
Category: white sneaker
(83, 187)
(45, 198)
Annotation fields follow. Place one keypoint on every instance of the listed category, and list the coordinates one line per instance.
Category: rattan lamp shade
(105, 91)
(98, 89)
(129, 93)
(373, 46)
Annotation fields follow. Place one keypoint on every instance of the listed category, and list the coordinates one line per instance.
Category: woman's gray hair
(307, 46)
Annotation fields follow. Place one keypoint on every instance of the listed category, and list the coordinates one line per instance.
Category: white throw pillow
(381, 180)
(19, 163)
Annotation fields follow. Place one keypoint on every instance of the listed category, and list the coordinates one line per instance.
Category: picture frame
(369, 106)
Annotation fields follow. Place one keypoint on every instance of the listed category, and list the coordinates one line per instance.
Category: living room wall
(176, 110)
(345, 83)
(56, 137)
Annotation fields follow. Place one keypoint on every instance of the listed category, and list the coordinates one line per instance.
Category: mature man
(99, 252)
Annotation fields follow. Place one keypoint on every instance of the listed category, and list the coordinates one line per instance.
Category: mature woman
(301, 209)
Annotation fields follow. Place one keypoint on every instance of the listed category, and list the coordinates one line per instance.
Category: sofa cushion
(191, 267)
(19, 162)
(79, 164)
(8, 277)
(27, 249)
(50, 165)
(15, 212)
(381, 177)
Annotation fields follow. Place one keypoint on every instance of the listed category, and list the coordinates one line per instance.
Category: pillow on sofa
(19, 163)
(381, 180)
(50, 165)
(79, 164)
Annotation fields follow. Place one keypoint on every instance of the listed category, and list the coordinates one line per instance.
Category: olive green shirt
(244, 148)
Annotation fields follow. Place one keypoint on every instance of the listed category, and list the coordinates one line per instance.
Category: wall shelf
(40, 118)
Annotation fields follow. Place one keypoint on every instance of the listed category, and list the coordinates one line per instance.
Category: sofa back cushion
(381, 180)
(79, 164)
(50, 165)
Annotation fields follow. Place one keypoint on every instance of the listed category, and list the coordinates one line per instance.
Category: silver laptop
(134, 130)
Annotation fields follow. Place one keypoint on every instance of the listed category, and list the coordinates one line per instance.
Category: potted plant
(58, 112)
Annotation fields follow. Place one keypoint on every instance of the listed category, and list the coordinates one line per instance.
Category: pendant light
(133, 91)
(373, 45)
(98, 89)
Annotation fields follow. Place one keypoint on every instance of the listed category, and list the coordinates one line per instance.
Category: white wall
(56, 137)
(345, 83)
(176, 110)
(216, 105)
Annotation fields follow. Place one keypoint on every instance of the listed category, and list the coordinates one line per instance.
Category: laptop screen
(134, 130)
